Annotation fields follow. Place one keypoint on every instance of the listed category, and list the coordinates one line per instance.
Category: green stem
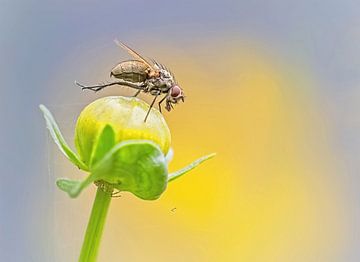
(95, 226)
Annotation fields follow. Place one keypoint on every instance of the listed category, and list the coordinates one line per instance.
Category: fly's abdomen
(132, 71)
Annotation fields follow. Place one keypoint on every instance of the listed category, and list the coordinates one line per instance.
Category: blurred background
(271, 86)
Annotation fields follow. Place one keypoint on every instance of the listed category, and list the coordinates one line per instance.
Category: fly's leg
(137, 93)
(152, 104)
(148, 112)
(162, 100)
(116, 194)
(95, 88)
(169, 106)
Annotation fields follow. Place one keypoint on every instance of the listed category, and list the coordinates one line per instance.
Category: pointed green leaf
(105, 142)
(74, 187)
(186, 169)
(137, 166)
(59, 140)
(169, 156)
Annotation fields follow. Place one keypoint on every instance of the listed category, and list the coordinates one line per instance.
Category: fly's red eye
(175, 91)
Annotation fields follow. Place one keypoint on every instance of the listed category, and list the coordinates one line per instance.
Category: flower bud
(126, 116)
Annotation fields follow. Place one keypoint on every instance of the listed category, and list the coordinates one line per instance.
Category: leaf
(189, 167)
(137, 166)
(169, 156)
(59, 139)
(105, 142)
(74, 187)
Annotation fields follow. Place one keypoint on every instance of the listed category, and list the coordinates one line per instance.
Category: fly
(147, 77)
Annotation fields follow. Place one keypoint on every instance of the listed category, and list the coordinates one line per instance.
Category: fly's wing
(134, 54)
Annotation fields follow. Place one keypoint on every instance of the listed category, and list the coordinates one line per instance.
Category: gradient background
(272, 87)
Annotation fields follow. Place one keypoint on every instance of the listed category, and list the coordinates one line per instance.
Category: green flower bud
(119, 149)
(126, 116)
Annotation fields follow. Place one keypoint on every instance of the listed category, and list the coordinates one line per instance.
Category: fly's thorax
(153, 73)
(158, 83)
(166, 75)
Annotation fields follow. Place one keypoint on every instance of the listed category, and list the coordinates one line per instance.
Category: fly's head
(175, 95)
